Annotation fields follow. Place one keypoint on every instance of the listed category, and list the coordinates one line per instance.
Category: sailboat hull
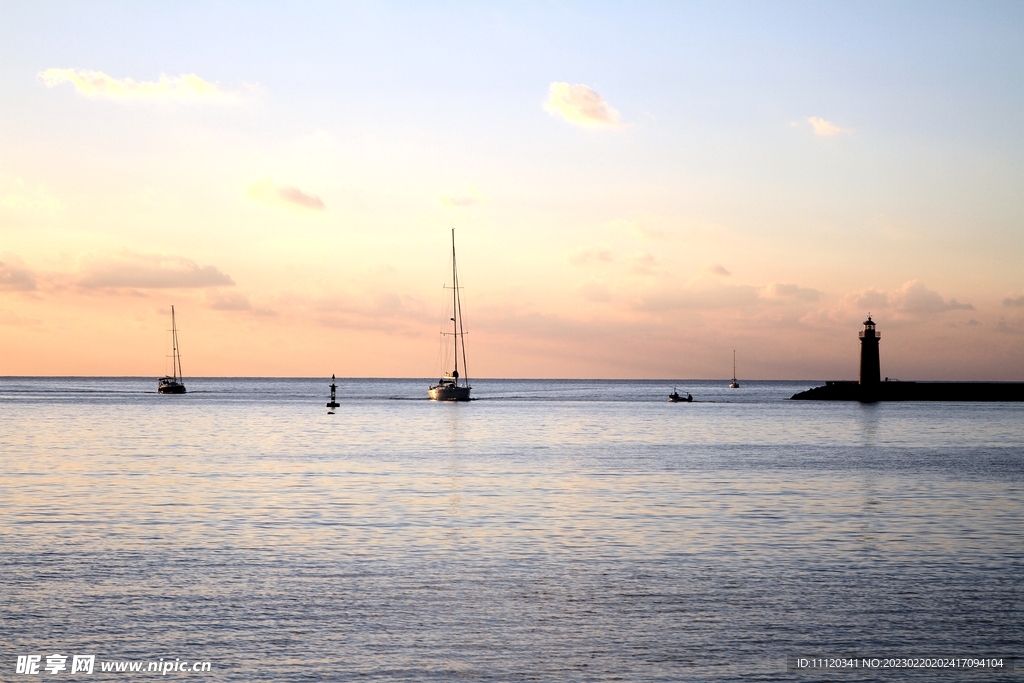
(170, 386)
(448, 392)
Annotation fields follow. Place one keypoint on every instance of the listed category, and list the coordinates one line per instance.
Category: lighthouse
(870, 372)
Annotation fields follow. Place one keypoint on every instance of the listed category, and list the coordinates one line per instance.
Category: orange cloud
(581, 106)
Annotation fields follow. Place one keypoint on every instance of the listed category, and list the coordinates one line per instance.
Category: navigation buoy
(333, 403)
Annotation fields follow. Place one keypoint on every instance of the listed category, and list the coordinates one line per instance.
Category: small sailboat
(449, 388)
(175, 383)
(734, 384)
(675, 397)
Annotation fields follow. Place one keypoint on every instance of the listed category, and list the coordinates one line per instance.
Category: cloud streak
(150, 271)
(96, 84)
(271, 193)
(581, 106)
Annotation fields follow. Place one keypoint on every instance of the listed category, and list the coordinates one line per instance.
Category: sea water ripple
(550, 530)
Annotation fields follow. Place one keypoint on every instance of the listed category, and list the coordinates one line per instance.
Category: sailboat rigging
(175, 382)
(734, 384)
(448, 388)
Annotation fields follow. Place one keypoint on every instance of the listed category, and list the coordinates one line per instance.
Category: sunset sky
(636, 189)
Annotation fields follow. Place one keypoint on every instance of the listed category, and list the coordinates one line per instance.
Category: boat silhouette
(675, 397)
(175, 382)
(448, 388)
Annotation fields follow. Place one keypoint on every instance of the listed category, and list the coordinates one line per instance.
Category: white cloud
(827, 128)
(271, 193)
(149, 271)
(718, 269)
(581, 106)
(183, 88)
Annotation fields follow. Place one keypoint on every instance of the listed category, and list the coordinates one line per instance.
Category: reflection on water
(541, 532)
(869, 417)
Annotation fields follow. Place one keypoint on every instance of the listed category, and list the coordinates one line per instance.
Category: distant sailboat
(448, 388)
(734, 384)
(174, 384)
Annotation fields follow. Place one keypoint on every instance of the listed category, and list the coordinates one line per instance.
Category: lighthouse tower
(870, 372)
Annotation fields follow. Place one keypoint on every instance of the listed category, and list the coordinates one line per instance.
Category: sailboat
(449, 388)
(174, 384)
(734, 384)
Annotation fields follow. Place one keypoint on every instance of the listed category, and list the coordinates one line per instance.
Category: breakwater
(914, 391)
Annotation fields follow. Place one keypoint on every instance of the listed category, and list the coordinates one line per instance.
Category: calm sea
(549, 530)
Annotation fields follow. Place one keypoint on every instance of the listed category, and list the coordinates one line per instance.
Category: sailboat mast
(734, 365)
(175, 358)
(458, 306)
(455, 307)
